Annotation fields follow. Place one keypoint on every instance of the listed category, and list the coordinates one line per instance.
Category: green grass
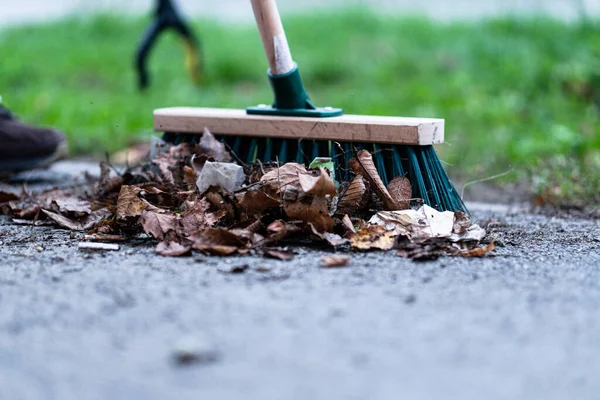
(509, 89)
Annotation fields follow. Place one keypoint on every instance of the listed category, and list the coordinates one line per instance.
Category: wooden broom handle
(273, 36)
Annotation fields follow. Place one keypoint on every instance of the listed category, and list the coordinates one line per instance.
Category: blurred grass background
(518, 94)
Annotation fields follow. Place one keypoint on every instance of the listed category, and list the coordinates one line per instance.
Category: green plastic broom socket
(291, 99)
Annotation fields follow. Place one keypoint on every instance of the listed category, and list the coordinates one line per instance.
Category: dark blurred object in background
(165, 17)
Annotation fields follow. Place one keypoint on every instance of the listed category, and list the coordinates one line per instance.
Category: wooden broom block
(346, 128)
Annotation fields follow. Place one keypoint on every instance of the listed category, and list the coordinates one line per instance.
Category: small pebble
(195, 350)
(233, 269)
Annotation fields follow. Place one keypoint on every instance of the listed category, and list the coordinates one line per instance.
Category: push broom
(293, 129)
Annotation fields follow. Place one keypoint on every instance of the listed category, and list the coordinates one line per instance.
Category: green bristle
(428, 177)
(300, 154)
(419, 163)
(397, 169)
(446, 198)
(415, 177)
(283, 150)
(315, 149)
(236, 145)
(347, 157)
(380, 163)
(268, 149)
(252, 152)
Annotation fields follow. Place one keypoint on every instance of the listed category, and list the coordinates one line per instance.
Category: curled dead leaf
(217, 241)
(129, 204)
(348, 225)
(332, 238)
(355, 198)
(82, 224)
(320, 185)
(311, 209)
(363, 165)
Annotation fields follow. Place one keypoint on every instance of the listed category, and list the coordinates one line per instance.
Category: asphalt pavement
(128, 324)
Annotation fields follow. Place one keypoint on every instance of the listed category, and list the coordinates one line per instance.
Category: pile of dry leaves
(192, 197)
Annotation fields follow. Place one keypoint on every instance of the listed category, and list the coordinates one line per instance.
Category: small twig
(234, 154)
(462, 192)
(110, 164)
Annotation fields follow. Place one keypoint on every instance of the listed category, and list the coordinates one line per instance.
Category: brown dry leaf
(320, 185)
(106, 184)
(462, 222)
(171, 163)
(29, 206)
(254, 226)
(189, 176)
(210, 147)
(355, 198)
(162, 196)
(334, 261)
(478, 251)
(400, 189)
(5, 197)
(83, 224)
(279, 178)
(217, 241)
(220, 201)
(332, 238)
(158, 225)
(311, 209)
(279, 230)
(364, 165)
(284, 255)
(164, 162)
(129, 204)
(75, 207)
(372, 237)
(18, 221)
(196, 217)
(252, 238)
(170, 248)
(256, 202)
(30, 212)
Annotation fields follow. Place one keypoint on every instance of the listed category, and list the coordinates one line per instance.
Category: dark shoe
(24, 147)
